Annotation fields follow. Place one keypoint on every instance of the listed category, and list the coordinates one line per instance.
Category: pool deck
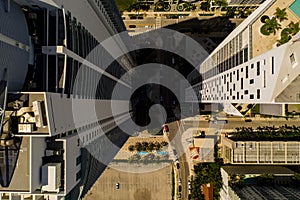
(124, 153)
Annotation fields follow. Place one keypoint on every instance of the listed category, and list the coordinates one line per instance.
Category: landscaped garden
(267, 133)
(273, 24)
(163, 6)
(206, 173)
(147, 146)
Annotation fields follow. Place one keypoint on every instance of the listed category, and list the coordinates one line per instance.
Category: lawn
(124, 4)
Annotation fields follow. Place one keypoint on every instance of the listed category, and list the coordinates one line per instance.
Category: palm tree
(159, 6)
(205, 5)
(285, 36)
(280, 14)
(294, 28)
(271, 26)
(221, 3)
(131, 148)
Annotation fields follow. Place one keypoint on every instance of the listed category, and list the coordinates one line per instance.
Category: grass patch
(124, 4)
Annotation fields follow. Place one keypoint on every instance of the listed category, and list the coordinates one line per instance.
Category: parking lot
(135, 186)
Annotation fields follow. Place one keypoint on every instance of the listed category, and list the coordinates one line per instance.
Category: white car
(117, 185)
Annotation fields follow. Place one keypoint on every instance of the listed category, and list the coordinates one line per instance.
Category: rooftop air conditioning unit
(51, 177)
(38, 109)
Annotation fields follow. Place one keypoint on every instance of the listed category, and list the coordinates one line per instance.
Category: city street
(183, 172)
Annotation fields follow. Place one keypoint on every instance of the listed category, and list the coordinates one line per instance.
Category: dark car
(248, 120)
(202, 134)
(177, 164)
(166, 128)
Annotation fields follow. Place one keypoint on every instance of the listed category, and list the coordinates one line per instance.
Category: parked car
(117, 185)
(177, 164)
(179, 195)
(202, 134)
(248, 120)
(166, 128)
(189, 185)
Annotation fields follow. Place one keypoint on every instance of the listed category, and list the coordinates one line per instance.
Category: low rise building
(281, 187)
(205, 149)
(260, 152)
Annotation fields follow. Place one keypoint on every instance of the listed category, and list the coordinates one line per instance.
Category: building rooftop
(258, 169)
(268, 192)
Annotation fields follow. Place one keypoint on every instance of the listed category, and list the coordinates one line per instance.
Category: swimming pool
(142, 152)
(295, 7)
(162, 153)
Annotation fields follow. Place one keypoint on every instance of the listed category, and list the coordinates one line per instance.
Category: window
(251, 81)
(78, 160)
(272, 65)
(251, 96)
(258, 93)
(252, 66)
(247, 70)
(78, 175)
(292, 58)
(264, 79)
(242, 83)
(237, 75)
(246, 54)
(246, 91)
(258, 68)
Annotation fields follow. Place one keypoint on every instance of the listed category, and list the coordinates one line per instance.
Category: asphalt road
(183, 171)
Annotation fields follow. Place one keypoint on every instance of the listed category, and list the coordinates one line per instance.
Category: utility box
(25, 128)
(51, 177)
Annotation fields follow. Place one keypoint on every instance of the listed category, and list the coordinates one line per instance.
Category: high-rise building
(50, 70)
(257, 62)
